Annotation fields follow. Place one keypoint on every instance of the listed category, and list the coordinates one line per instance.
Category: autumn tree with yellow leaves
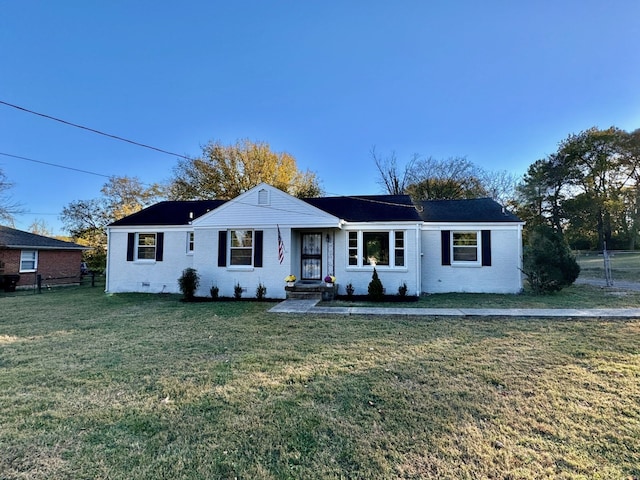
(226, 171)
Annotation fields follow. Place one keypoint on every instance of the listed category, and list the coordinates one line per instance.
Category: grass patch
(575, 296)
(145, 386)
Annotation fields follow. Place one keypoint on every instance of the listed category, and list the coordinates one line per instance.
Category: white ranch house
(432, 246)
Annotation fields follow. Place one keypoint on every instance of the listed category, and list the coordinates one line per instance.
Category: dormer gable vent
(263, 197)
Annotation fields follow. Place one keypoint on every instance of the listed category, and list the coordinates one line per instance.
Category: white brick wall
(271, 274)
(503, 276)
(423, 271)
(147, 276)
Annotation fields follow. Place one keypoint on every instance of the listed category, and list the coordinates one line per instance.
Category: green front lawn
(575, 296)
(144, 386)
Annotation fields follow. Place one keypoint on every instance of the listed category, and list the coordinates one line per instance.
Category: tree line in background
(587, 192)
(450, 179)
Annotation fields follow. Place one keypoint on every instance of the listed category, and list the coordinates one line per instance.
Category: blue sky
(500, 82)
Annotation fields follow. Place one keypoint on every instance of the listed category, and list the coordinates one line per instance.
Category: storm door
(311, 259)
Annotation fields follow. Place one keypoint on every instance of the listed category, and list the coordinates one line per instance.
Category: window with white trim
(241, 247)
(399, 249)
(464, 247)
(190, 242)
(28, 260)
(376, 248)
(146, 246)
(353, 248)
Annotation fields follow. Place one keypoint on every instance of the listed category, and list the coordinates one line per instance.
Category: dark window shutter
(159, 246)
(222, 248)
(486, 248)
(131, 243)
(445, 236)
(257, 249)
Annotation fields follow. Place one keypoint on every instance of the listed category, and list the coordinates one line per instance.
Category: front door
(311, 259)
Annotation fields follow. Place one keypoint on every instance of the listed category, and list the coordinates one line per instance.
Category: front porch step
(304, 295)
(309, 291)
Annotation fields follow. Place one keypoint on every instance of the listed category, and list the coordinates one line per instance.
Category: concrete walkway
(310, 306)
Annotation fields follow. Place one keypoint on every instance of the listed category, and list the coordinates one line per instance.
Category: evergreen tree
(376, 289)
(548, 262)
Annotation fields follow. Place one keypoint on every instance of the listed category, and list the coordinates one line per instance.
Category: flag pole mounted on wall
(280, 246)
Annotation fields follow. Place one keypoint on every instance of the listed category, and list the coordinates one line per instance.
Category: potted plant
(330, 280)
(290, 279)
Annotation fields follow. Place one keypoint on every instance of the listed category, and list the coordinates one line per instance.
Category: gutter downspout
(520, 255)
(106, 273)
(419, 254)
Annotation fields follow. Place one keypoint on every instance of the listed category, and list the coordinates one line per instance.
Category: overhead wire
(117, 137)
(93, 130)
(55, 165)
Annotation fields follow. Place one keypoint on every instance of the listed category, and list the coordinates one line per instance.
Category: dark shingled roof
(368, 208)
(170, 213)
(467, 210)
(12, 238)
(361, 208)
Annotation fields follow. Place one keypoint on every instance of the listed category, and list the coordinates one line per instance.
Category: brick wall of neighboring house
(57, 267)
(9, 261)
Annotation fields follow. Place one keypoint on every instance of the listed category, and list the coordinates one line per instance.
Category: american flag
(280, 246)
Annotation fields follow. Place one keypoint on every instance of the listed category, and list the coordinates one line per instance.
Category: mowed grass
(575, 296)
(146, 387)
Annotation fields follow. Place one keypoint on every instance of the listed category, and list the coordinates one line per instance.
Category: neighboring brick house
(29, 255)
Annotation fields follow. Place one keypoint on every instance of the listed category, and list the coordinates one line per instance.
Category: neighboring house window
(28, 260)
(376, 249)
(145, 246)
(190, 242)
(466, 247)
(244, 248)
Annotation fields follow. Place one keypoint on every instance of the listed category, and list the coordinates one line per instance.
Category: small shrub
(548, 262)
(261, 291)
(350, 290)
(376, 290)
(214, 291)
(189, 282)
(402, 290)
(237, 291)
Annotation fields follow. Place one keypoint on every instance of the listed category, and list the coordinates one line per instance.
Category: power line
(373, 200)
(56, 165)
(93, 130)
